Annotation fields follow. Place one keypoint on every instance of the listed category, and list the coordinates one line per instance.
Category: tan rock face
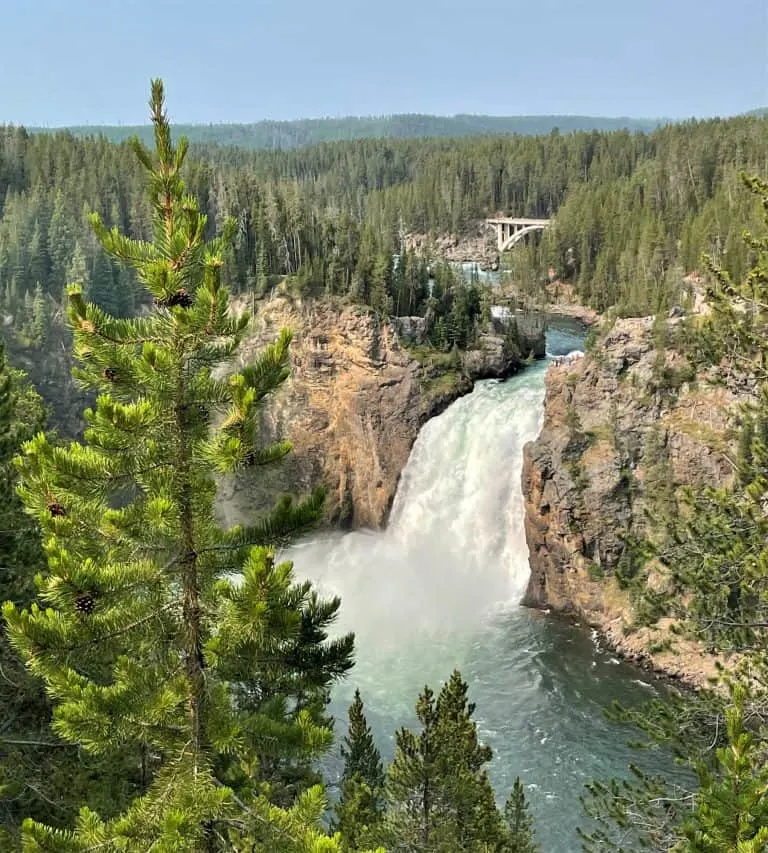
(477, 243)
(352, 408)
(615, 440)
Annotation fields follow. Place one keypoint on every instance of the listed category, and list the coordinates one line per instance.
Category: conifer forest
(167, 676)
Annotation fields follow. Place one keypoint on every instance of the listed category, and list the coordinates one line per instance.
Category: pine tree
(360, 807)
(438, 792)
(360, 754)
(519, 821)
(103, 290)
(23, 707)
(39, 775)
(262, 272)
(731, 807)
(37, 259)
(77, 269)
(21, 415)
(726, 810)
(61, 245)
(378, 285)
(411, 779)
(295, 682)
(40, 320)
(141, 625)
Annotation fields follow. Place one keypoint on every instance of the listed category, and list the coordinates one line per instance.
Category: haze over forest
(278, 135)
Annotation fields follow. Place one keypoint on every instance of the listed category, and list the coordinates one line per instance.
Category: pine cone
(85, 603)
(182, 298)
(111, 374)
(56, 509)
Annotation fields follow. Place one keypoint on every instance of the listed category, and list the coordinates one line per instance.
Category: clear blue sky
(89, 61)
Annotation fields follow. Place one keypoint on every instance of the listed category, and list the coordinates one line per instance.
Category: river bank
(562, 301)
(686, 665)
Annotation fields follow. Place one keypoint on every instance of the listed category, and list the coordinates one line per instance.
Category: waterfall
(454, 550)
(459, 497)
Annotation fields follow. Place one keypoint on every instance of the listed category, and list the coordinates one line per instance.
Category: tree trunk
(193, 653)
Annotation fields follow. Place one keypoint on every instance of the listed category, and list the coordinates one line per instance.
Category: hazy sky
(89, 61)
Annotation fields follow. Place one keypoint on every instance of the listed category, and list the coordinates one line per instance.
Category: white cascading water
(454, 550)
(460, 501)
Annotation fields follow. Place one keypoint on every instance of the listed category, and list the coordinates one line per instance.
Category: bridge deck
(517, 221)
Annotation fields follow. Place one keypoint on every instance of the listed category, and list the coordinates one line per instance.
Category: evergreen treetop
(360, 754)
(519, 821)
(438, 793)
(359, 811)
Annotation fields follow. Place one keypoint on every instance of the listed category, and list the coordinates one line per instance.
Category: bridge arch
(510, 231)
(518, 236)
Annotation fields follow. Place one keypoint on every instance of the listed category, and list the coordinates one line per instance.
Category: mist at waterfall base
(440, 589)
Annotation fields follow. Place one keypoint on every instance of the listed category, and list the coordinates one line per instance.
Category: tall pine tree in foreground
(156, 630)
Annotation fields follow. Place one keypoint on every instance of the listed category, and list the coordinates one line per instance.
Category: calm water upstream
(440, 589)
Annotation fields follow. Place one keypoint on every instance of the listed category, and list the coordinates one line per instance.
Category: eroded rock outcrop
(352, 407)
(623, 428)
(476, 243)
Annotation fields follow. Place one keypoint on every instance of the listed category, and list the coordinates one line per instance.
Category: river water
(440, 588)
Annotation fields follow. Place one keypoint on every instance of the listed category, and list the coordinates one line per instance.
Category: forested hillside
(633, 212)
(282, 135)
(700, 572)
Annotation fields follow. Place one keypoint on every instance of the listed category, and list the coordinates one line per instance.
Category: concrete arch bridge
(511, 230)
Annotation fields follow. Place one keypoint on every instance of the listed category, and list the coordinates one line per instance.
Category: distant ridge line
(274, 135)
(270, 134)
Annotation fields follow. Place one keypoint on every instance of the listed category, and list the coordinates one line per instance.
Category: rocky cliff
(353, 406)
(476, 244)
(623, 428)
